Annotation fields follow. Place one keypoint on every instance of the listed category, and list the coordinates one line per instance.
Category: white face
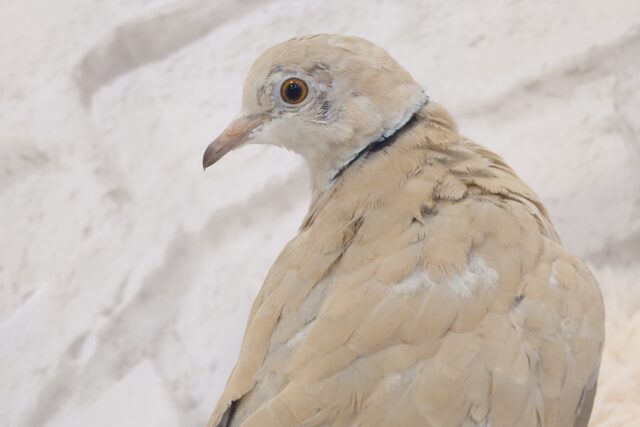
(307, 109)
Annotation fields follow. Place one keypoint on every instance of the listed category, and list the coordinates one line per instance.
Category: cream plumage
(426, 286)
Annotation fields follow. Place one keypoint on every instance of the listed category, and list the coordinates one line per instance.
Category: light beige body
(359, 323)
(426, 287)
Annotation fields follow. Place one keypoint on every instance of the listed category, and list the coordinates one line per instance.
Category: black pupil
(293, 91)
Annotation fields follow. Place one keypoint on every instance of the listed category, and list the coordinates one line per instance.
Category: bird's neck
(430, 155)
(328, 169)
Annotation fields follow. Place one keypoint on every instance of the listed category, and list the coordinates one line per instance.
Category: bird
(426, 285)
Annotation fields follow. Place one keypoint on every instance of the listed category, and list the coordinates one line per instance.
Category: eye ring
(293, 91)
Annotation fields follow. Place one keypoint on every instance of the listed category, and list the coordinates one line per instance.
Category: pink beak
(235, 135)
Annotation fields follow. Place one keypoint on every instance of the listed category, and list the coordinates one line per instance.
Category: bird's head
(325, 97)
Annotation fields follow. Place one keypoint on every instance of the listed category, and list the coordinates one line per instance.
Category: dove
(426, 285)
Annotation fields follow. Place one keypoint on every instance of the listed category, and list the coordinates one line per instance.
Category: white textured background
(126, 273)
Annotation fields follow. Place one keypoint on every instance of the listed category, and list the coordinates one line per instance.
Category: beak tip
(205, 165)
(209, 158)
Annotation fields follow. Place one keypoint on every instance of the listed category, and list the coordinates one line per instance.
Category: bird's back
(427, 288)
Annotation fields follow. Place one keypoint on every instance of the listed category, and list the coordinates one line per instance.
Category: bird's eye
(294, 91)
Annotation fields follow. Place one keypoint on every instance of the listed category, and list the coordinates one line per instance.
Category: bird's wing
(586, 404)
(508, 338)
(440, 298)
(303, 263)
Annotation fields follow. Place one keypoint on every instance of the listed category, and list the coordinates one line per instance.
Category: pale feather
(363, 320)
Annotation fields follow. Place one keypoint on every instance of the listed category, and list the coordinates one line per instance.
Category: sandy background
(125, 279)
